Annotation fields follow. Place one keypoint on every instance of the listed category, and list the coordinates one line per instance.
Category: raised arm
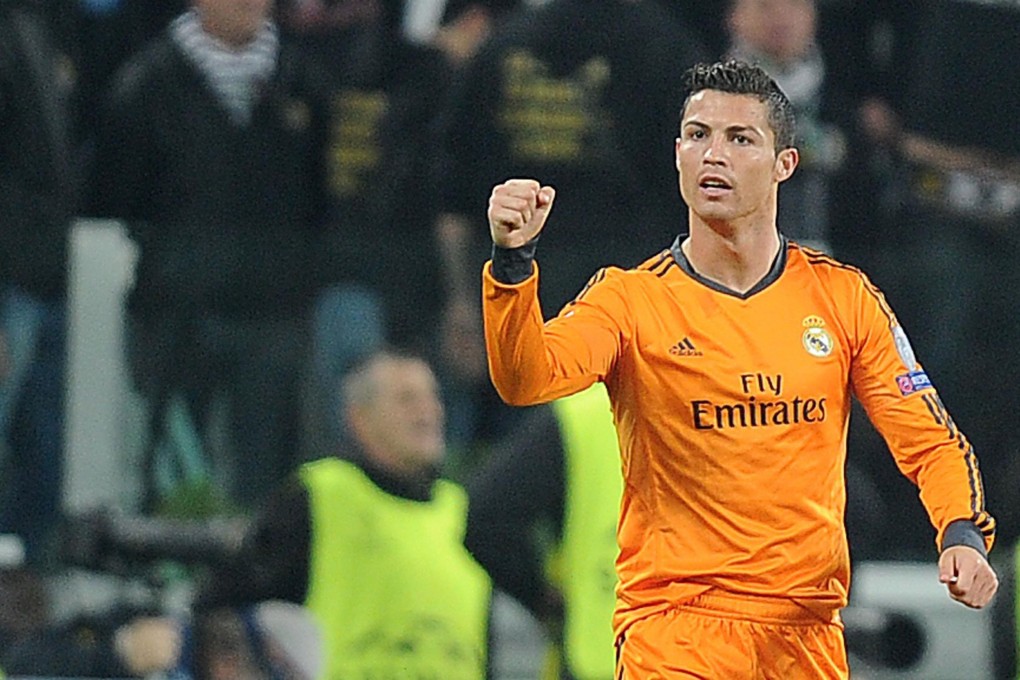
(530, 360)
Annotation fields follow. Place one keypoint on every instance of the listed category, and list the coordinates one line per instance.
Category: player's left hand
(968, 576)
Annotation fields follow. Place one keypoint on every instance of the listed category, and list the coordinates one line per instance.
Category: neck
(735, 258)
(411, 483)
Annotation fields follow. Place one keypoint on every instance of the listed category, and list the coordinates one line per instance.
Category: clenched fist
(968, 576)
(518, 209)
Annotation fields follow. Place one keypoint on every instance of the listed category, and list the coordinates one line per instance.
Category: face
(402, 422)
(235, 22)
(726, 160)
(781, 29)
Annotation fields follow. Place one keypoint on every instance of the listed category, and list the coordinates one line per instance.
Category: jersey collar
(778, 265)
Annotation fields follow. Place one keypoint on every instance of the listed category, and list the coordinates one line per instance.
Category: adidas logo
(685, 348)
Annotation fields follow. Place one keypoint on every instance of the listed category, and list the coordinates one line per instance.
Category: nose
(714, 151)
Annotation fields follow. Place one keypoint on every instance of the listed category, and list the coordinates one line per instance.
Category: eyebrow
(732, 129)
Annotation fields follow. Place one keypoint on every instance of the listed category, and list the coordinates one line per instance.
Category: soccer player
(730, 359)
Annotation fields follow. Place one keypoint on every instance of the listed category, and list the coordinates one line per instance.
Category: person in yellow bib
(371, 542)
(542, 521)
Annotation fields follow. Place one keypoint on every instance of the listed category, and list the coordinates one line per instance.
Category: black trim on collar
(778, 265)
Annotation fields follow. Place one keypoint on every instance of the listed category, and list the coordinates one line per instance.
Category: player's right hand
(518, 209)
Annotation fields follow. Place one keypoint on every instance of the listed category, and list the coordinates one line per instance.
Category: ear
(786, 163)
(676, 154)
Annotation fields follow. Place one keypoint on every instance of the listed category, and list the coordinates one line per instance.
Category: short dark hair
(739, 77)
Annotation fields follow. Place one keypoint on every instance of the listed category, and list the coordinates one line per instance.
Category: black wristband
(964, 532)
(513, 265)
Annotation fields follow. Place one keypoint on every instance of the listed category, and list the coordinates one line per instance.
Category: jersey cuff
(513, 265)
(964, 532)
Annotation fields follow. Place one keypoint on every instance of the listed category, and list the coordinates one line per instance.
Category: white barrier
(955, 641)
(103, 423)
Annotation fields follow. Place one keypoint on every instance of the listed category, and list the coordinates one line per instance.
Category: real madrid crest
(816, 339)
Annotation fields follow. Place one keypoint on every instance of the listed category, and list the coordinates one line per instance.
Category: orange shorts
(719, 636)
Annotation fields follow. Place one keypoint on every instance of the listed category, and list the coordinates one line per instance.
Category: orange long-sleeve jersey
(732, 412)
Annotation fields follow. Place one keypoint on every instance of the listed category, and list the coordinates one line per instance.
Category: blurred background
(211, 211)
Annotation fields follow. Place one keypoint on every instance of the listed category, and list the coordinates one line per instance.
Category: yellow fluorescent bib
(591, 510)
(395, 591)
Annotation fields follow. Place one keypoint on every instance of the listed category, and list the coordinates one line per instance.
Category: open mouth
(714, 186)
(714, 183)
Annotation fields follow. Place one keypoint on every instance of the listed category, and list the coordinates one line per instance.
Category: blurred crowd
(306, 181)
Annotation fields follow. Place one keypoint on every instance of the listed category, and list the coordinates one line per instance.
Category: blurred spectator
(37, 202)
(579, 92)
(542, 521)
(782, 37)
(211, 149)
(383, 93)
(372, 542)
